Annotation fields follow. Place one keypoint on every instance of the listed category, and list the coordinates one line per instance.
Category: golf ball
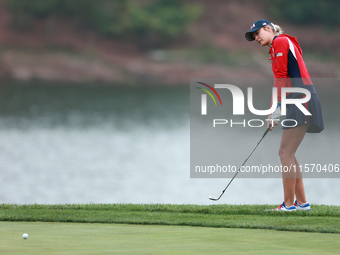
(25, 236)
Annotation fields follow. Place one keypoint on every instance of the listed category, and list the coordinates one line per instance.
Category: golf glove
(276, 115)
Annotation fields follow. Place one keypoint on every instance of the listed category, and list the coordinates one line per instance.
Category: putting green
(87, 238)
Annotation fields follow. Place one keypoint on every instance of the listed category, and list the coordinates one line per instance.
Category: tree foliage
(151, 21)
(325, 12)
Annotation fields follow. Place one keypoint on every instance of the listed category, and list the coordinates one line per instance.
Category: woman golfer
(289, 71)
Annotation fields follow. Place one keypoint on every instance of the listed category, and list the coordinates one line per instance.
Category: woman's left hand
(271, 123)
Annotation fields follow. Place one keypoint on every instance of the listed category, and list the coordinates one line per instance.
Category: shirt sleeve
(281, 48)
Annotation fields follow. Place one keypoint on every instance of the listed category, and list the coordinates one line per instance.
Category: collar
(274, 39)
(272, 44)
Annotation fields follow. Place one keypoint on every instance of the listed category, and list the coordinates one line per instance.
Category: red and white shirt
(287, 62)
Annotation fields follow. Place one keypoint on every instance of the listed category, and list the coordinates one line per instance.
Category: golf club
(265, 133)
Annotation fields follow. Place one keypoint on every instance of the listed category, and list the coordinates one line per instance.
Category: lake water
(120, 144)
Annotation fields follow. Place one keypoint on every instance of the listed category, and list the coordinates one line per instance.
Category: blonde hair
(277, 29)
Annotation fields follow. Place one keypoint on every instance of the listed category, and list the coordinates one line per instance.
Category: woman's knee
(286, 154)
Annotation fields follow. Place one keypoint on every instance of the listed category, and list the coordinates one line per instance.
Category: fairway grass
(86, 238)
(322, 219)
(167, 229)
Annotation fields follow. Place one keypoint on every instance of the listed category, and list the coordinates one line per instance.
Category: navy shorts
(315, 120)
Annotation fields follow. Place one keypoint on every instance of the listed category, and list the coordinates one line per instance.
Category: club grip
(266, 132)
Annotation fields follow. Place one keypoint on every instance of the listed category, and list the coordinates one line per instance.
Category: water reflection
(116, 144)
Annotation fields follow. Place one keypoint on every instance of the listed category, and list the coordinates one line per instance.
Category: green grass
(75, 238)
(167, 229)
(323, 219)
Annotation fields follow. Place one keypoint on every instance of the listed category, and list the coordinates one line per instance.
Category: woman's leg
(299, 187)
(292, 181)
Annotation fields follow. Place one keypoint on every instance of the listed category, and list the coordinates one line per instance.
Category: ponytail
(277, 29)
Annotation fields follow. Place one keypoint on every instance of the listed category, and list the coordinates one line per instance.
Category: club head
(213, 199)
